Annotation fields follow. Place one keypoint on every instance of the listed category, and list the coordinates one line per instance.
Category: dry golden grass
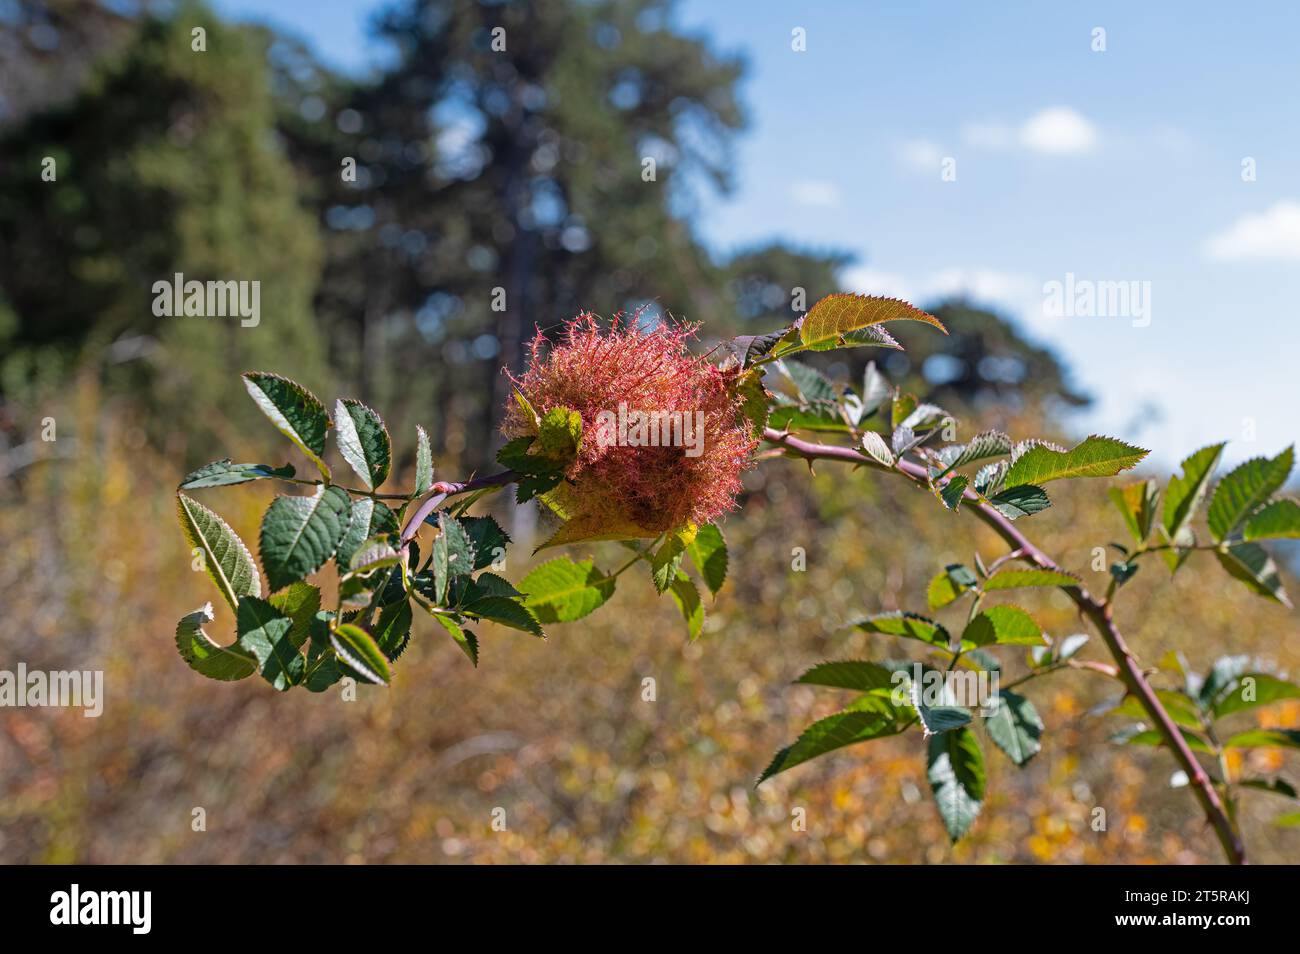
(94, 574)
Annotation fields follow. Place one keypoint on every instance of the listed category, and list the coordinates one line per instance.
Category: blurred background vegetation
(476, 171)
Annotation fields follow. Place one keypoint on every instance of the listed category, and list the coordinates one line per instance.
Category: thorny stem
(1098, 613)
(440, 492)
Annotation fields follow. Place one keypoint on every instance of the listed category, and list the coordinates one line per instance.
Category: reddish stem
(440, 492)
(1097, 611)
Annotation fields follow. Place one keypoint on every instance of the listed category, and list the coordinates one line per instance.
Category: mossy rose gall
(665, 442)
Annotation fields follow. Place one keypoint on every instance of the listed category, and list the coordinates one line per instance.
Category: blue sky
(1117, 166)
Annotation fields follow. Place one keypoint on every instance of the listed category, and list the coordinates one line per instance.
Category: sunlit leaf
(225, 558)
(296, 412)
(830, 321)
(955, 769)
(1095, 457)
(1244, 489)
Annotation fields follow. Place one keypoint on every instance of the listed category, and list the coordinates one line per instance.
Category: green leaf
(530, 412)
(1015, 727)
(935, 720)
(687, 597)
(530, 486)
(300, 533)
(873, 336)
(1265, 739)
(562, 590)
(323, 673)
(507, 612)
(465, 639)
(1244, 489)
(749, 348)
(666, 560)
(989, 478)
(487, 584)
(373, 554)
(539, 474)
(1003, 625)
(980, 447)
(358, 650)
(300, 602)
(1177, 555)
(875, 390)
(201, 654)
(831, 322)
(267, 633)
(1250, 563)
(1289, 820)
(752, 399)
(925, 417)
(826, 735)
(393, 630)
(948, 585)
(295, 411)
(901, 409)
(1095, 457)
(1277, 520)
(488, 538)
(224, 473)
(225, 558)
(1137, 505)
(955, 768)
(363, 441)
(1253, 689)
(907, 625)
(369, 518)
(810, 385)
(875, 447)
(1014, 579)
(708, 552)
(1223, 673)
(1058, 651)
(849, 674)
(423, 462)
(1139, 736)
(1180, 706)
(1123, 572)
(951, 493)
(452, 555)
(559, 434)
(1022, 501)
(1184, 494)
(588, 528)
(1275, 786)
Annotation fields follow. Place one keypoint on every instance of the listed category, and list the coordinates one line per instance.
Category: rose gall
(611, 485)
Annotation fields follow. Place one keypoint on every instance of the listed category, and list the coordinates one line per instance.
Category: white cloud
(1058, 130)
(817, 192)
(1269, 236)
(920, 153)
